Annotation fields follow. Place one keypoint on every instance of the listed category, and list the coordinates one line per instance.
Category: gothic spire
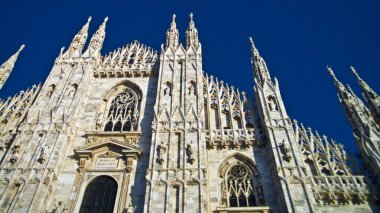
(261, 72)
(172, 35)
(370, 96)
(339, 86)
(364, 128)
(355, 110)
(192, 34)
(7, 67)
(96, 42)
(80, 39)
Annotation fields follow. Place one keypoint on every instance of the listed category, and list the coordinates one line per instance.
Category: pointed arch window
(240, 187)
(100, 196)
(123, 112)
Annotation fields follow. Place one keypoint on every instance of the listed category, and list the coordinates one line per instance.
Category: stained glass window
(99, 196)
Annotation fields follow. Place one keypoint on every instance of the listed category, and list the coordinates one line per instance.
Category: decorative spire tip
(89, 19)
(106, 19)
(191, 16)
(251, 40)
(330, 71)
(174, 17)
(22, 47)
(354, 72)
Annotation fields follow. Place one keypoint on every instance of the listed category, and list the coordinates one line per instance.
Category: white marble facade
(138, 130)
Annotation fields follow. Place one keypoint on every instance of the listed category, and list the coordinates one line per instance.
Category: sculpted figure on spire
(192, 34)
(7, 67)
(172, 35)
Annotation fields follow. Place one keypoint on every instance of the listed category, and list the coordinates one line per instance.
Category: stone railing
(230, 137)
(339, 189)
(130, 70)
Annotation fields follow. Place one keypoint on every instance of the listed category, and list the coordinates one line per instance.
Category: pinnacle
(355, 73)
(251, 40)
(331, 72)
(191, 16)
(22, 47)
(89, 19)
(254, 49)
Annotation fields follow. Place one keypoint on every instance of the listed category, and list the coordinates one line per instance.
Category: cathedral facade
(138, 130)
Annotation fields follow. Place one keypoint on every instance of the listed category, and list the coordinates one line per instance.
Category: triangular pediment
(101, 146)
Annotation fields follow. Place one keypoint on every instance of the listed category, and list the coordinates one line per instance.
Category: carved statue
(191, 88)
(286, 151)
(42, 157)
(161, 149)
(72, 90)
(190, 149)
(272, 104)
(50, 90)
(60, 207)
(99, 117)
(168, 89)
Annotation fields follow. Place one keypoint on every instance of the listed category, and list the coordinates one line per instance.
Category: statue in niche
(272, 103)
(72, 90)
(60, 207)
(50, 90)
(285, 149)
(161, 149)
(191, 88)
(99, 117)
(42, 157)
(168, 89)
(190, 149)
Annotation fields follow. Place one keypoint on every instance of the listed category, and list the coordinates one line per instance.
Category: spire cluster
(364, 121)
(172, 35)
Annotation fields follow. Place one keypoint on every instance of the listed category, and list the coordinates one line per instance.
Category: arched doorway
(99, 196)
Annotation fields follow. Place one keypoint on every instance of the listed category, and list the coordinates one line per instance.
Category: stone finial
(355, 73)
(337, 82)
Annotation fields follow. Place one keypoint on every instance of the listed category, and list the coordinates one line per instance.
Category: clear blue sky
(296, 38)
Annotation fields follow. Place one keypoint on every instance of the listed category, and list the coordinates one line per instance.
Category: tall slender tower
(280, 138)
(365, 130)
(49, 127)
(7, 67)
(178, 151)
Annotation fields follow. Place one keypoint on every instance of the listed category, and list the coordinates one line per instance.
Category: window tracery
(123, 112)
(240, 187)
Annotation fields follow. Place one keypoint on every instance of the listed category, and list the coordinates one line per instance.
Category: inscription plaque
(106, 162)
